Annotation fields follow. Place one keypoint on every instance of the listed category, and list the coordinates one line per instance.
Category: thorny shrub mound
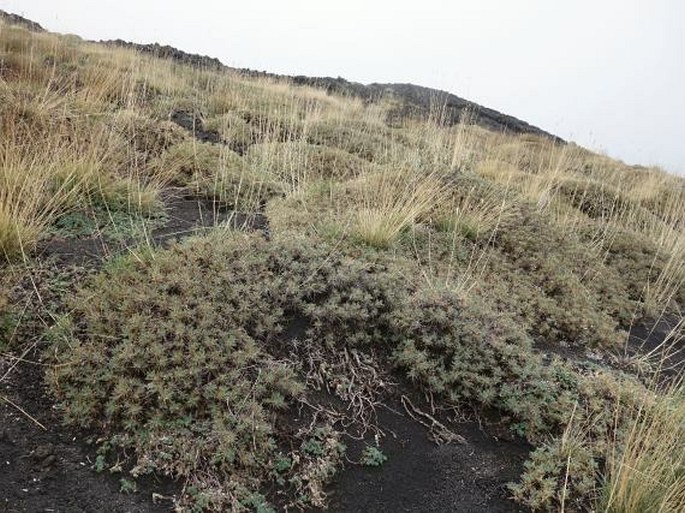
(181, 356)
(564, 292)
(460, 351)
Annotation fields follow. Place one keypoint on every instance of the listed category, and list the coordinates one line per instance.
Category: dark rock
(169, 52)
(15, 19)
(193, 123)
(5, 437)
(43, 451)
(417, 101)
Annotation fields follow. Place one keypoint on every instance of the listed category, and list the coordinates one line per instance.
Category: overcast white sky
(609, 74)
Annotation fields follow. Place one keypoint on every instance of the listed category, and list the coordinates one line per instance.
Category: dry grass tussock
(644, 469)
(55, 155)
(393, 200)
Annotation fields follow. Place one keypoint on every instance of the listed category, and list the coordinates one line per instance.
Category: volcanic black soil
(421, 476)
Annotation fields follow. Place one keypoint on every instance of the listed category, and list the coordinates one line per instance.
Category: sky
(607, 74)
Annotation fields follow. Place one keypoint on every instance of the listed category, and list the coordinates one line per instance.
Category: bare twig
(441, 432)
(16, 362)
(11, 403)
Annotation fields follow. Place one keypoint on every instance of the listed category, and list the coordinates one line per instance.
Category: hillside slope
(415, 100)
(225, 291)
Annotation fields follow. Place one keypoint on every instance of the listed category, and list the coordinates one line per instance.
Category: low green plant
(100, 463)
(320, 457)
(127, 485)
(373, 457)
(114, 225)
(258, 504)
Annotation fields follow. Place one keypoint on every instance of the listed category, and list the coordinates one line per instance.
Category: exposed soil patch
(193, 124)
(51, 470)
(82, 252)
(186, 216)
(661, 341)
(421, 476)
(468, 474)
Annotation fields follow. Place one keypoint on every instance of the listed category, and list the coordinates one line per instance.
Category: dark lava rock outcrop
(417, 101)
(15, 19)
(169, 52)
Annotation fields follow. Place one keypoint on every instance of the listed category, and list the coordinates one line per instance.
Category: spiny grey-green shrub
(573, 296)
(565, 469)
(558, 473)
(463, 352)
(168, 360)
(179, 356)
(185, 357)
